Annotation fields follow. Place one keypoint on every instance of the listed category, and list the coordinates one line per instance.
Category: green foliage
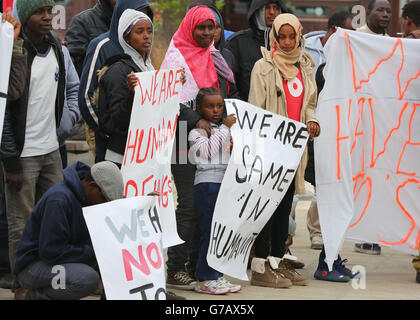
(173, 10)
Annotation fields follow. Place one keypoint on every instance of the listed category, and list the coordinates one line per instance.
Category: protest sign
(127, 239)
(267, 149)
(367, 156)
(147, 160)
(6, 40)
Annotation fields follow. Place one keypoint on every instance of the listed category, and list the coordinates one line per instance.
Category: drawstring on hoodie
(267, 38)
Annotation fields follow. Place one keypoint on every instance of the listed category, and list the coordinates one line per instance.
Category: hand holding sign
(12, 20)
(131, 81)
(230, 120)
(313, 129)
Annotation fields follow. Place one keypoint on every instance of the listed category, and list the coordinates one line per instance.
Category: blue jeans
(205, 199)
(79, 281)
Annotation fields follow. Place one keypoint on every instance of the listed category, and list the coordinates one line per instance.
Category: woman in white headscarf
(117, 80)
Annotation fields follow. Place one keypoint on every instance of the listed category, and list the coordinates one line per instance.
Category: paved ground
(388, 276)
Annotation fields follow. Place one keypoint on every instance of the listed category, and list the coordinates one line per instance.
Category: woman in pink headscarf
(192, 48)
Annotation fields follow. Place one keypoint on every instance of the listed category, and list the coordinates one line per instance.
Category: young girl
(283, 82)
(211, 155)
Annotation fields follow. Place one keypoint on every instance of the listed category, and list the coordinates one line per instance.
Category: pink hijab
(199, 59)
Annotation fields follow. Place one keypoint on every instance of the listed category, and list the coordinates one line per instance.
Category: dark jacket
(14, 126)
(245, 46)
(18, 69)
(99, 51)
(85, 27)
(115, 101)
(56, 231)
(310, 167)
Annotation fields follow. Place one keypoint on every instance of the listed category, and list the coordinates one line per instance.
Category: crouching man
(56, 238)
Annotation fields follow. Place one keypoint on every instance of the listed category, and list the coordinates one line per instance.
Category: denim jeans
(205, 198)
(183, 257)
(39, 174)
(79, 281)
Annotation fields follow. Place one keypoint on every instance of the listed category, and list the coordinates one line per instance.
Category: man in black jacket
(246, 44)
(85, 27)
(29, 146)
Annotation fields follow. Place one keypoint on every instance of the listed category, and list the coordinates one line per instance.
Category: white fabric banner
(367, 156)
(6, 48)
(127, 240)
(267, 149)
(147, 161)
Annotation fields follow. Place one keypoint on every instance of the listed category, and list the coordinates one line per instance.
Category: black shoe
(418, 277)
(341, 268)
(6, 281)
(368, 248)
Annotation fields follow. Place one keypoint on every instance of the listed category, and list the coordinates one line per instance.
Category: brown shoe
(182, 281)
(293, 261)
(296, 264)
(264, 275)
(286, 269)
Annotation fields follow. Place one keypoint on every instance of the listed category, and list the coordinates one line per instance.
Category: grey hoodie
(314, 47)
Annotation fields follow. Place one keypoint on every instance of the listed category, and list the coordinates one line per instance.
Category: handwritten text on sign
(266, 154)
(127, 239)
(147, 160)
(368, 173)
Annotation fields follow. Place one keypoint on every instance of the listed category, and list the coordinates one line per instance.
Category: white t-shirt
(41, 132)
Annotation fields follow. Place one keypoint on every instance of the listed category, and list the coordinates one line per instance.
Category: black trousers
(277, 229)
(184, 257)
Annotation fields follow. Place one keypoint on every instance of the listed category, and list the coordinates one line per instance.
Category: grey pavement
(389, 276)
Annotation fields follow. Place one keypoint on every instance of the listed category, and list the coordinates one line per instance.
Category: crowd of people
(41, 204)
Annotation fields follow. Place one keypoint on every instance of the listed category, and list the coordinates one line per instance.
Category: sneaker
(181, 280)
(173, 296)
(211, 287)
(264, 275)
(317, 243)
(368, 248)
(334, 276)
(286, 269)
(341, 268)
(232, 287)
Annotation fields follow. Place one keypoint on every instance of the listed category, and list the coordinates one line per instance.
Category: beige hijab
(284, 61)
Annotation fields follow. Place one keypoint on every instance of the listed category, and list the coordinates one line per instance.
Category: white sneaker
(211, 287)
(317, 243)
(232, 287)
